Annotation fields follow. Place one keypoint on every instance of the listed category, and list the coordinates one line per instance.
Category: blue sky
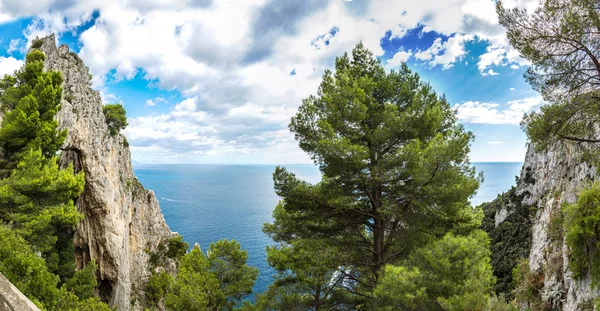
(217, 81)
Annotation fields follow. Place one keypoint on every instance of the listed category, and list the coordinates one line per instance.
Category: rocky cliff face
(11, 298)
(123, 221)
(548, 180)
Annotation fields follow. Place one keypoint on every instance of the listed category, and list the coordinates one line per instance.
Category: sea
(206, 203)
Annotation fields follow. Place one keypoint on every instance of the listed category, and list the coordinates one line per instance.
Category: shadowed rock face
(122, 219)
(548, 180)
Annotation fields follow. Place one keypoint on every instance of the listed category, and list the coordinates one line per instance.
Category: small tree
(116, 118)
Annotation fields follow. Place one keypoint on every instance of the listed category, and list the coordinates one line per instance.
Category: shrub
(582, 225)
(177, 247)
(115, 116)
(157, 287)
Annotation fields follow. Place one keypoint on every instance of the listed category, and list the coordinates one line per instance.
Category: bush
(177, 247)
(84, 282)
(157, 287)
(116, 118)
(528, 285)
(582, 225)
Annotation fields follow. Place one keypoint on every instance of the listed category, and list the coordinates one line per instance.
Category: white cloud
(235, 70)
(514, 66)
(8, 65)
(155, 101)
(493, 113)
(447, 53)
(512, 89)
(16, 45)
(489, 73)
(495, 142)
(399, 58)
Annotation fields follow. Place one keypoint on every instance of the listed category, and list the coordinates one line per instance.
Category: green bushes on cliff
(115, 116)
(218, 280)
(510, 240)
(582, 231)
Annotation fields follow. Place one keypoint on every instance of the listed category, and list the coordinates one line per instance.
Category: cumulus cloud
(447, 53)
(399, 58)
(235, 71)
(493, 113)
(8, 65)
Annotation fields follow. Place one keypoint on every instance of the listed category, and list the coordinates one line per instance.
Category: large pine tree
(395, 176)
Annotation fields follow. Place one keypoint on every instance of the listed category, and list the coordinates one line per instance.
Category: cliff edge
(123, 222)
(548, 180)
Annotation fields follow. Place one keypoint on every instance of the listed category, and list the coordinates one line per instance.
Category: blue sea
(205, 203)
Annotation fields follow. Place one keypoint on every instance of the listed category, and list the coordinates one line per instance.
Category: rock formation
(123, 222)
(548, 180)
(11, 298)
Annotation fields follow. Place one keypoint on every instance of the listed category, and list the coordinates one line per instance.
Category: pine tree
(395, 168)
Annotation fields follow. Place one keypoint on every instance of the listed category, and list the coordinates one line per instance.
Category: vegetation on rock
(116, 118)
(37, 212)
(582, 228)
(510, 240)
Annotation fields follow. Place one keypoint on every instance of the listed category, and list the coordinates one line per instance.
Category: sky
(216, 81)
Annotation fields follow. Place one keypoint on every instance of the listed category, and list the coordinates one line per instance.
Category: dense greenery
(116, 118)
(216, 281)
(560, 39)
(510, 240)
(452, 273)
(582, 227)
(37, 212)
(30, 100)
(395, 187)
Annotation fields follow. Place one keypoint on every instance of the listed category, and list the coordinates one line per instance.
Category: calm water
(205, 203)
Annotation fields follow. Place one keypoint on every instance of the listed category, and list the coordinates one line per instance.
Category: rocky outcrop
(123, 222)
(11, 299)
(548, 180)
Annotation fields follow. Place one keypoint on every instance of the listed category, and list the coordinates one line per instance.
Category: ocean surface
(205, 203)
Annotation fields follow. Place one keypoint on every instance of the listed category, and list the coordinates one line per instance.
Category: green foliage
(510, 241)
(84, 282)
(25, 270)
(30, 100)
(395, 170)
(37, 200)
(217, 281)
(194, 287)
(227, 262)
(36, 44)
(528, 285)
(36, 196)
(172, 248)
(560, 40)
(116, 118)
(582, 228)
(28, 272)
(177, 247)
(452, 273)
(157, 288)
(308, 277)
(67, 301)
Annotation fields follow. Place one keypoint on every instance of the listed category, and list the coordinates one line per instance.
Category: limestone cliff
(123, 221)
(547, 181)
(11, 298)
